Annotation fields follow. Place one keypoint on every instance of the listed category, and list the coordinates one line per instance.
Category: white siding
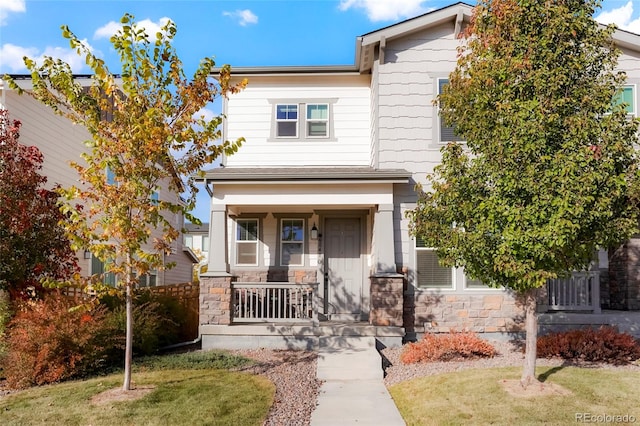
(250, 116)
(407, 86)
(61, 142)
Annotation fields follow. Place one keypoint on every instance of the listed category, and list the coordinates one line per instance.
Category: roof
(366, 44)
(192, 228)
(257, 175)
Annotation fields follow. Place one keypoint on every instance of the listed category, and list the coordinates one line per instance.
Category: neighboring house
(61, 142)
(196, 237)
(308, 227)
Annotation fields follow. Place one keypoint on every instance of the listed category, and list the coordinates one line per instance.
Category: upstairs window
(317, 120)
(247, 242)
(302, 119)
(627, 97)
(447, 133)
(292, 242)
(111, 176)
(287, 121)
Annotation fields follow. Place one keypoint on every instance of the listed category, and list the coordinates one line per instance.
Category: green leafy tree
(550, 173)
(147, 133)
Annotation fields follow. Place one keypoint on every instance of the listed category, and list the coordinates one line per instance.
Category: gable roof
(367, 44)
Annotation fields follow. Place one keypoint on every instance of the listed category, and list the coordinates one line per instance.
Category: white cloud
(10, 6)
(207, 113)
(622, 17)
(244, 17)
(386, 10)
(150, 27)
(12, 57)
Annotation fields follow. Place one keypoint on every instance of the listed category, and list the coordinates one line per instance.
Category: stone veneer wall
(215, 300)
(480, 313)
(276, 275)
(386, 300)
(624, 276)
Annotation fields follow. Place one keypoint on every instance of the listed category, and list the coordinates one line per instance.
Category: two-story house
(308, 228)
(61, 142)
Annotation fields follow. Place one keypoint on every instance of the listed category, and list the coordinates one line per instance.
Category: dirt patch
(119, 395)
(514, 388)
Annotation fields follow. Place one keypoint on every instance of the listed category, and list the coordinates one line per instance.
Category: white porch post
(383, 246)
(218, 257)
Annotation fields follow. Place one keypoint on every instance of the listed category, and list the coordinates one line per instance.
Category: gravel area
(294, 375)
(509, 355)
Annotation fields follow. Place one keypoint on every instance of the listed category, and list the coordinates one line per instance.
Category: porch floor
(296, 335)
(625, 321)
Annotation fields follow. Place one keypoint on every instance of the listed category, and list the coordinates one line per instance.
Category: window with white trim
(247, 242)
(291, 242)
(286, 121)
(429, 272)
(446, 133)
(317, 120)
(111, 176)
(627, 96)
(307, 119)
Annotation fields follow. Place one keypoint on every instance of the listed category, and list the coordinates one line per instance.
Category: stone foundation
(386, 300)
(480, 313)
(624, 276)
(276, 275)
(215, 300)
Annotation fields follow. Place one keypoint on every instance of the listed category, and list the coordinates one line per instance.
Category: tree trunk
(531, 330)
(128, 351)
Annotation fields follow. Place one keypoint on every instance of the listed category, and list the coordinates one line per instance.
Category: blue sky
(239, 33)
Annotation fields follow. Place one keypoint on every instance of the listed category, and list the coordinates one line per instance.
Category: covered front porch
(294, 250)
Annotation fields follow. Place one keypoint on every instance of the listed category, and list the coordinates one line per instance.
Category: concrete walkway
(353, 392)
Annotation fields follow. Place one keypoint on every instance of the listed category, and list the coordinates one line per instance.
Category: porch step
(348, 358)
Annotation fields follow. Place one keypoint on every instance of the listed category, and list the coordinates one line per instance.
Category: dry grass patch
(479, 397)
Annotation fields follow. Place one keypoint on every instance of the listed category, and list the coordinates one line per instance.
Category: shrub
(5, 315)
(157, 321)
(47, 342)
(605, 344)
(148, 327)
(447, 347)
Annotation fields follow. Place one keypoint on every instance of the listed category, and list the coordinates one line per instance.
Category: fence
(187, 295)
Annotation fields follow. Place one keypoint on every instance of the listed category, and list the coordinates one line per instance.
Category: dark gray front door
(344, 268)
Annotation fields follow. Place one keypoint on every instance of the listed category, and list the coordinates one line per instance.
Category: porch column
(218, 257)
(383, 241)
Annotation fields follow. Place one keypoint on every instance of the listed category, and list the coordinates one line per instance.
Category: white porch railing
(579, 292)
(273, 301)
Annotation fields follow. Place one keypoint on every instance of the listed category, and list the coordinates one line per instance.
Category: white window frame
(283, 243)
(287, 120)
(309, 121)
(634, 103)
(418, 249)
(237, 241)
(440, 124)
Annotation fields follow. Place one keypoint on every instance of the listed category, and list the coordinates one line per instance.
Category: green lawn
(198, 396)
(476, 397)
